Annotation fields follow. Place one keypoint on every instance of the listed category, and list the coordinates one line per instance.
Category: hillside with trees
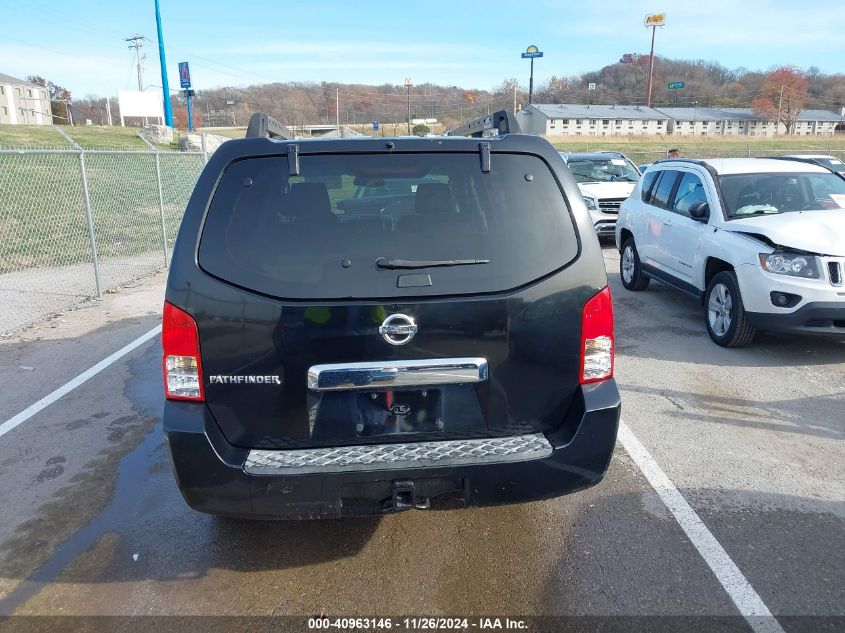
(707, 83)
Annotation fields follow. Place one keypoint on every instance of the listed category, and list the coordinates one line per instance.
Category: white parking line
(69, 386)
(749, 603)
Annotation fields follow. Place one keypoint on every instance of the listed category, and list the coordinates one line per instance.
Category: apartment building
(615, 120)
(568, 119)
(23, 102)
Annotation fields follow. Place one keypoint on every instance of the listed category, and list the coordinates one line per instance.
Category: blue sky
(472, 44)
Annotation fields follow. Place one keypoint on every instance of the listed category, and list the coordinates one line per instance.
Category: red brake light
(597, 338)
(181, 361)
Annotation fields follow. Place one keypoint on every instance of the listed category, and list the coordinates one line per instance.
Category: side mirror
(700, 211)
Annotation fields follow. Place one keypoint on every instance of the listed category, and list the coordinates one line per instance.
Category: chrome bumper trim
(397, 373)
(398, 456)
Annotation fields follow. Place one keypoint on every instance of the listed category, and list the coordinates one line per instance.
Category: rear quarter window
(318, 235)
(663, 189)
(645, 186)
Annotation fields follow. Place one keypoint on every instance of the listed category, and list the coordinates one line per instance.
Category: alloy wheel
(719, 309)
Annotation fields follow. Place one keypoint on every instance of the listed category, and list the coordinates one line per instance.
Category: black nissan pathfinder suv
(361, 326)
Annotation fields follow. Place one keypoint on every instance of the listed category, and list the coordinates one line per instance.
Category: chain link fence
(76, 223)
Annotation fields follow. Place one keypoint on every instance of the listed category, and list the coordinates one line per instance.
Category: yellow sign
(655, 19)
(532, 49)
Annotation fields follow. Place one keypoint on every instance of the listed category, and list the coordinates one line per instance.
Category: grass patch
(650, 148)
(88, 136)
(105, 137)
(230, 132)
(30, 136)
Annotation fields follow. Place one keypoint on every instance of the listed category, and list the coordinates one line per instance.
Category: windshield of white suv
(602, 170)
(772, 193)
(834, 163)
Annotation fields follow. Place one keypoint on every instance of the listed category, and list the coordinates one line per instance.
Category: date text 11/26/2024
(416, 624)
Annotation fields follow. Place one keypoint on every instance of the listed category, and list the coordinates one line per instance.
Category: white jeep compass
(761, 242)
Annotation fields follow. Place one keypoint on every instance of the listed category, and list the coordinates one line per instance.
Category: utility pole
(337, 111)
(108, 111)
(137, 44)
(514, 97)
(408, 86)
(165, 87)
(780, 103)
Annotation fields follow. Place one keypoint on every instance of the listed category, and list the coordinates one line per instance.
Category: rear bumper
(211, 476)
(812, 318)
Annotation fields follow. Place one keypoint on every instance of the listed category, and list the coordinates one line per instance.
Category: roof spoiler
(503, 121)
(263, 125)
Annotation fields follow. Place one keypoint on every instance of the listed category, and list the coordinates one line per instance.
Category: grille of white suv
(611, 205)
(835, 272)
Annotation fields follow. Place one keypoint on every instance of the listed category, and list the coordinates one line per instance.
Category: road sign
(531, 52)
(675, 85)
(591, 86)
(655, 19)
(375, 126)
(184, 75)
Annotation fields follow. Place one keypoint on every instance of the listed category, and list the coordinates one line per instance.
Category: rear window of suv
(319, 234)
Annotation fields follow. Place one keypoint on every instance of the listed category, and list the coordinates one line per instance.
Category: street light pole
(530, 53)
(165, 88)
(408, 86)
(531, 84)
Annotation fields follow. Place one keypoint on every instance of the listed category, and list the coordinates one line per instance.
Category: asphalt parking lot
(752, 439)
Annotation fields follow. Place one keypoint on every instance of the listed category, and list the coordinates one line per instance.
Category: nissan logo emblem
(398, 329)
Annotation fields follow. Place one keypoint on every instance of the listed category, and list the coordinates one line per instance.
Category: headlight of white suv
(592, 203)
(792, 264)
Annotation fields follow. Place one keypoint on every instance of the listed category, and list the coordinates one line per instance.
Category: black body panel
(530, 337)
(210, 474)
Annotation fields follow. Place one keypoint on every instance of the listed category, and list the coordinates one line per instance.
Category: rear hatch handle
(397, 373)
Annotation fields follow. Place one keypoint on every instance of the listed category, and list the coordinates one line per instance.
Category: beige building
(23, 102)
(745, 122)
(569, 119)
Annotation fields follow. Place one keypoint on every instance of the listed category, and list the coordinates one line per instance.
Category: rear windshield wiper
(394, 264)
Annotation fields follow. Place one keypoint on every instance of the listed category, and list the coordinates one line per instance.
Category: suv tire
(630, 270)
(724, 312)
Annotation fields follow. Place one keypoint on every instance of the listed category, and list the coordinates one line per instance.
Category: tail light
(181, 362)
(597, 338)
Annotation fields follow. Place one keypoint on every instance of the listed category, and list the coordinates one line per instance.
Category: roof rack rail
(694, 161)
(263, 125)
(502, 121)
